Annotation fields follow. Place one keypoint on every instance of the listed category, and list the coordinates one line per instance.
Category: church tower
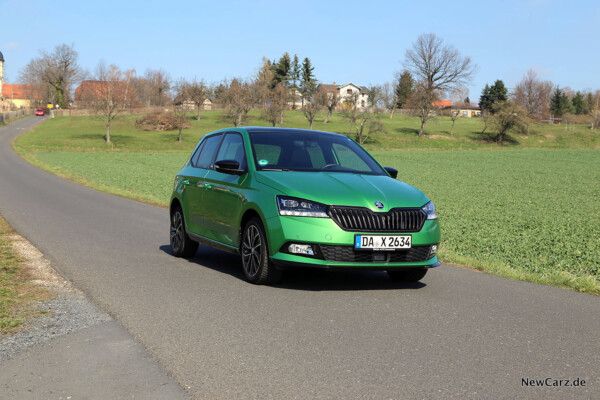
(1, 72)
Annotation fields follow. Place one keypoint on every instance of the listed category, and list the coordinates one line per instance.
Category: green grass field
(528, 214)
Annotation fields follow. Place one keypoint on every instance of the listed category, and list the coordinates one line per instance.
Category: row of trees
(432, 70)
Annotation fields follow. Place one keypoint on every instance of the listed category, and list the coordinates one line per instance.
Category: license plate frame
(382, 242)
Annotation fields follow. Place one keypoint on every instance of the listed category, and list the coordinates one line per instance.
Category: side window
(316, 156)
(207, 152)
(232, 148)
(349, 159)
(197, 154)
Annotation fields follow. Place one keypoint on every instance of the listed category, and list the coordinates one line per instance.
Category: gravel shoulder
(68, 311)
(74, 350)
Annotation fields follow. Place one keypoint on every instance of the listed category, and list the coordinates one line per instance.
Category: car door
(225, 193)
(194, 180)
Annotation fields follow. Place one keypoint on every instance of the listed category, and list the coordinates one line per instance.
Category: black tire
(181, 244)
(255, 255)
(411, 275)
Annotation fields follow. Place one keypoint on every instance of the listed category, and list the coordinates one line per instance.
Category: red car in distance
(39, 112)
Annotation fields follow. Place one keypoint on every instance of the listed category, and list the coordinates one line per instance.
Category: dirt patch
(439, 137)
(38, 267)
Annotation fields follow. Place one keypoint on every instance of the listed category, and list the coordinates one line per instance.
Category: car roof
(266, 129)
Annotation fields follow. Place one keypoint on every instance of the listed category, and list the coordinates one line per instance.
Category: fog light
(433, 250)
(305, 249)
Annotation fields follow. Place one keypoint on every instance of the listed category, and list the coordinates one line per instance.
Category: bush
(160, 121)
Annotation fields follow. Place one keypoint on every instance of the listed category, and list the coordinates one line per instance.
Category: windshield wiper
(275, 169)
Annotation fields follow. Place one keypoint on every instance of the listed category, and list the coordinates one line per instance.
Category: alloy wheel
(252, 251)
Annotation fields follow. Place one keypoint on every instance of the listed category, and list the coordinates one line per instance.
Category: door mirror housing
(231, 167)
(392, 171)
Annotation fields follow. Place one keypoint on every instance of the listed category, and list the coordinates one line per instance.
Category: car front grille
(348, 254)
(357, 219)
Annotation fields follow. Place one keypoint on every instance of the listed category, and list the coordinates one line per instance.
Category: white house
(347, 90)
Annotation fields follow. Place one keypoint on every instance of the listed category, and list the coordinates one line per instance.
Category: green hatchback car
(292, 198)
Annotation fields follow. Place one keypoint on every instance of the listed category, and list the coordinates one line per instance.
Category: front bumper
(324, 232)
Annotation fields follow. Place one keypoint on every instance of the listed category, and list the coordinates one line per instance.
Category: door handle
(207, 186)
(186, 182)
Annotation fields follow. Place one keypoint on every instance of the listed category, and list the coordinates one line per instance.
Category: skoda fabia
(290, 198)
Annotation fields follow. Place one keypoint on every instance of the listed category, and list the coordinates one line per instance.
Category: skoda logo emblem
(379, 205)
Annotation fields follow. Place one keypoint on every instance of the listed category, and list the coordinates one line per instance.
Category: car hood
(338, 188)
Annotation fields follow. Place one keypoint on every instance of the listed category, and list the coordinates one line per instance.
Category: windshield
(313, 152)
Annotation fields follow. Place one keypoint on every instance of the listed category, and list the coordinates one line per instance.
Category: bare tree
(438, 67)
(533, 94)
(360, 119)
(595, 110)
(314, 101)
(333, 99)
(457, 96)
(238, 99)
(507, 116)
(158, 86)
(389, 97)
(58, 70)
(275, 103)
(198, 93)
(108, 94)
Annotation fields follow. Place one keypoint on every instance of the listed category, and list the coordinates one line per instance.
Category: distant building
(14, 96)
(469, 110)
(347, 90)
(442, 104)
(91, 91)
(17, 96)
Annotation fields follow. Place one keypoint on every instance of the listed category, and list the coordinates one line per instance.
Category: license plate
(382, 242)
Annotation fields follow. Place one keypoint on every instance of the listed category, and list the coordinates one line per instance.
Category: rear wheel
(255, 255)
(411, 275)
(181, 244)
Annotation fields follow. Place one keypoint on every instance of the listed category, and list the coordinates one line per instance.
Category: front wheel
(181, 244)
(255, 255)
(411, 275)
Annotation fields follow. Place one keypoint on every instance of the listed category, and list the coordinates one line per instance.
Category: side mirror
(231, 167)
(392, 171)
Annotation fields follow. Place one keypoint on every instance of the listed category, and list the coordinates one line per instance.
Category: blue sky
(359, 41)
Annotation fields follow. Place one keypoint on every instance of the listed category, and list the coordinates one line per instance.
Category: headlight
(301, 208)
(429, 209)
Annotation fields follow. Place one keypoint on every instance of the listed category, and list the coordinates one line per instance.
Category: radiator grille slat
(357, 219)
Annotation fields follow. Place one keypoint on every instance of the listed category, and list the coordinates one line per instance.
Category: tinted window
(348, 158)
(197, 154)
(208, 151)
(232, 148)
(314, 151)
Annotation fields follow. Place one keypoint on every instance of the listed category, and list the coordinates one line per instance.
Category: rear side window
(207, 152)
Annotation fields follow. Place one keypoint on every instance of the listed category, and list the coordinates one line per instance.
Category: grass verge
(17, 291)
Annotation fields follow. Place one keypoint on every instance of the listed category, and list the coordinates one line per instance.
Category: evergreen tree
(467, 100)
(308, 83)
(282, 71)
(295, 71)
(492, 95)
(485, 102)
(580, 104)
(404, 89)
(560, 103)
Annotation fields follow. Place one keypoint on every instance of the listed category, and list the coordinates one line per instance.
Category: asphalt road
(459, 334)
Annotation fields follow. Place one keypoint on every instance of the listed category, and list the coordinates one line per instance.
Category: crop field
(525, 214)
